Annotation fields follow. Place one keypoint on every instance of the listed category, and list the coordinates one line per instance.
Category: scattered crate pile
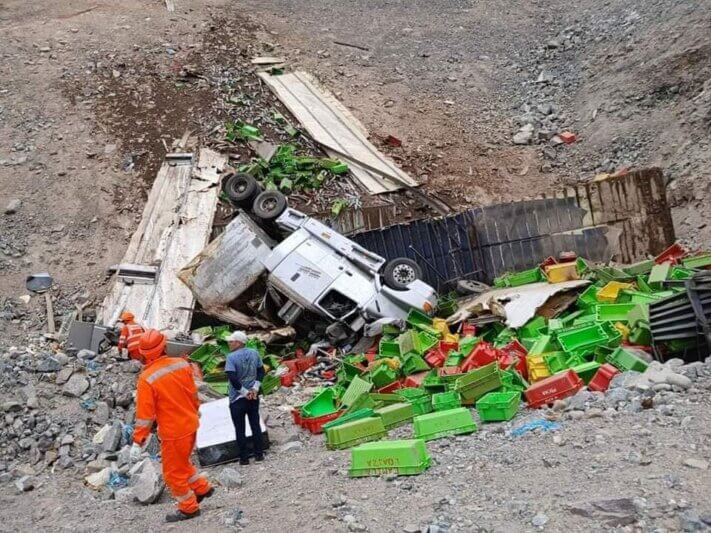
(429, 376)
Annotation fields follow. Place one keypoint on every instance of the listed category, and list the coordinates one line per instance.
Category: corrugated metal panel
(623, 218)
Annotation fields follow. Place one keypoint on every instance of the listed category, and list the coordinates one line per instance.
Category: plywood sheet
(175, 227)
(341, 135)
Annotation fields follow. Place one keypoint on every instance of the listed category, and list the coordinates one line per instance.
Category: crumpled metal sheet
(516, 305)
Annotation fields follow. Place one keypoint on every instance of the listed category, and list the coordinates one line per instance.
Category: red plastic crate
(519, 350)
(507, 360)
(671, 255)
(602, 378)
(291, 364)
(395, 385)
(328, 374)
(468, 330)
(296, 415)
(553, 388)
(483, 354)
(287, 380)
(548, 261)
(315, 424)
(446, 347)
(435, 358)
(450, 371)
(415, 380)
(304, 363)
(370, 356)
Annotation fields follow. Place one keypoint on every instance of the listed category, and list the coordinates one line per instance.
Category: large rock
(63, 375)
(48, 364)
(615, 512)
(146, 482)
(99, 479)
(112, 439)
(101, 413)
(230, 478)
(24, 484)
(76, 386)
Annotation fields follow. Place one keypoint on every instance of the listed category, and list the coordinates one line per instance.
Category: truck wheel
(240, 189)
(268, 205)
(400, 272)
(467, 287)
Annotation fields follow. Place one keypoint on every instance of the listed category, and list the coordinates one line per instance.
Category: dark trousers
(239, 409)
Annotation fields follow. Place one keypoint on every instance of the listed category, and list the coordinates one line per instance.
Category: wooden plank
(335, 128)
(176, 225)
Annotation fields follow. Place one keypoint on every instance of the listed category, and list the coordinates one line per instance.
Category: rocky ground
(633, 459)
(93, 94)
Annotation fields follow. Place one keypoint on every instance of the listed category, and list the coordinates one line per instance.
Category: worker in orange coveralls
(167, 395)
(130, 335)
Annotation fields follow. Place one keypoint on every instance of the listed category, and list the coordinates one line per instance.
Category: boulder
(76, 386)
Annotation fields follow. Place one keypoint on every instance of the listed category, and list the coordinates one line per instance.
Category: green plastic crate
(556, 361)
(512, 381)
(446, 400)
(533, 327)
(516, 279)
(401, 457)
(349, 417)
(586, 371)
(413, 364)
(270, 383)
(324, 403)
(454, 359)
(356, 432)
(383, 375)
(357, 387)
(584, 336)
(395, 414)
(659, 274)
(555, 324)
(433, 383)
(681, 273)
(389, 348)
(385, 398)
(424, 341)
(347, 372)
(543, 344)
(444, 424)
(607, 274)
(614, 336)
(417, 319)
(626, 359)
(642, 267)
(583, 320)
(588, 297)
(697, 261)
(467, 344)
(420, 400)
(473, 385)
(498, 406)
(613, 312)
(641, 335)
(363, 401)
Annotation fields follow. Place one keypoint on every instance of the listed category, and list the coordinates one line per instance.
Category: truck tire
(400, 272)
(241, 189)
(467, 287)
(268, 205)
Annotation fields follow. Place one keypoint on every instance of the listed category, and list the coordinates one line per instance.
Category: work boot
(244, 462)
(201, 497)
(179, 516)
(259, 458)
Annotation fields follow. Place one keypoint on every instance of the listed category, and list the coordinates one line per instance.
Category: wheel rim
(241, 187)
(404, 274)
(268, 204)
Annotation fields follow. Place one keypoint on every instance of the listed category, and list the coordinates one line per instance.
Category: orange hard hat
(151, 345)
(127, 316)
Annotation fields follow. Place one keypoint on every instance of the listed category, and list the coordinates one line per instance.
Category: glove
(135, 453)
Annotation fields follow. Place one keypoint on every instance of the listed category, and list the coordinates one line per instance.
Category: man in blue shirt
(245, 373)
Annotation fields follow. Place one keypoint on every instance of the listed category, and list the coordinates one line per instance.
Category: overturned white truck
(311, 269)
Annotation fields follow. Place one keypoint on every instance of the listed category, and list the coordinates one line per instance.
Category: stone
(100, 435)
(112, 439)
(699, 464)
(63, 375)
(102, 412)
(25, 484)
(147, 483)
(679, 380)
(124, 495)
(230, 478)
(99, 479)
(539, 520)
(13, 206)
(579, 400)
(690, 521)
(290, 446)
(615, 512)
(11, 406)
(85, 354)
(32, 402)
(411, 529)
(48, 364)
(76, 386)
